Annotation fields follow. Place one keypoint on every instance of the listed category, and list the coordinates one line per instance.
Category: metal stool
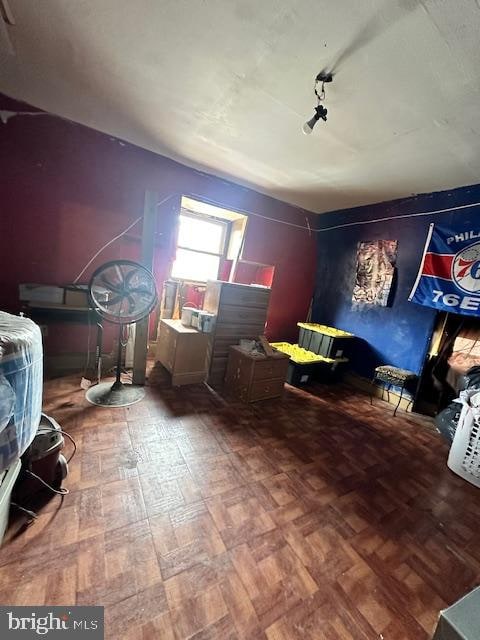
(394, 377)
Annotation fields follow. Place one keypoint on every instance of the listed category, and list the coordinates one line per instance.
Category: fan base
(117, 394)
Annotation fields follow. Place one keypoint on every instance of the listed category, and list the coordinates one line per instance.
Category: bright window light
(201, 235)
(191, 265)
(200, 246)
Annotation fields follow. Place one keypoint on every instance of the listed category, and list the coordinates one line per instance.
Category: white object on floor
(464, 456)
(7, 480)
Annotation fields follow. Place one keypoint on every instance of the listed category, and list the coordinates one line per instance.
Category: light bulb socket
(324, 76)
(320, 113)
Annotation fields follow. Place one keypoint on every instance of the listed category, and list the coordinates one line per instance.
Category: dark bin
(336, 347)
(324, 372)
(329, 372)
(325, 341)
(316, 342)
(304, 338)
(299, 374)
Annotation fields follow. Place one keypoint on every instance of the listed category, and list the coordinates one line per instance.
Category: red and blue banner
(449, 275)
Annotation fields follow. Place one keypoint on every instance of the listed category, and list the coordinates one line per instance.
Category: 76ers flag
(449, 276)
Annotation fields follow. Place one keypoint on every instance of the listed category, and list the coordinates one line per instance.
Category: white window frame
(224, 224)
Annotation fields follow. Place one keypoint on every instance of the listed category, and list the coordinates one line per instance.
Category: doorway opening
(454, 349)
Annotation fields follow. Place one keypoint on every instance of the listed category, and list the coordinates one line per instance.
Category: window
(201, 244)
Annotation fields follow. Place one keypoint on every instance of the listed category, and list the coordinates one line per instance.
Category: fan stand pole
(117, 394)
(118, 384)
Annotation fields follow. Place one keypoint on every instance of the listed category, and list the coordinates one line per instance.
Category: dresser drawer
(263, 389)
(271, 369)
(248, 297)
(230, 313)
(234, 331)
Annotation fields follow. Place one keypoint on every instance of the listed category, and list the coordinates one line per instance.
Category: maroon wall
(65, 190)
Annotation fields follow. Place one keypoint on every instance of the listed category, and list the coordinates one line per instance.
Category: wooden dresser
(182, 351)
(241, 312)
(255, 377)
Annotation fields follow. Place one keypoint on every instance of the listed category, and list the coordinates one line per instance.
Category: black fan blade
(113, 301)
(132, 273)
(140, 290)
(131, 300)
(113, 287)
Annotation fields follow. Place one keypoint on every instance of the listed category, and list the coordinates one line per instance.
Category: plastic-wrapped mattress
(21, 381)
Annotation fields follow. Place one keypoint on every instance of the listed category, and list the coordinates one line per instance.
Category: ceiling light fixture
(320, 111)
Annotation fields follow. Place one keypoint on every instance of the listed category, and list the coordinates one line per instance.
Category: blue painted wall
(399, 334)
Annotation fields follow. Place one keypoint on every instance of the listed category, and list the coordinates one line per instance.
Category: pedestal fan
(122, 292)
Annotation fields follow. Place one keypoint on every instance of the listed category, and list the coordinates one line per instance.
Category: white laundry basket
(464, 456)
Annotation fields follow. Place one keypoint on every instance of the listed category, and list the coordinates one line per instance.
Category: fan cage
(122, 291)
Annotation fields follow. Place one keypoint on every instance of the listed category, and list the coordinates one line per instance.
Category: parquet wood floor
(314, 517)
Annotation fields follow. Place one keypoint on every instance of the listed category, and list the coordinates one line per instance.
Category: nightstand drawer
(263, 389)
(271, 369)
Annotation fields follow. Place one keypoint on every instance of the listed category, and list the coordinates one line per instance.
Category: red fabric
(437, 265)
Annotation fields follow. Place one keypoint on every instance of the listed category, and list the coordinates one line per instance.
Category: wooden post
(141, 329)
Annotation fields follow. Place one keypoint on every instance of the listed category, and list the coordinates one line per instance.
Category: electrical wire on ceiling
(289, 224)
(107, 244)
(398, 217)
(117, 237)
(349, 224)
(307, 227)
(6, 115)
(322, 77)
(247, 213)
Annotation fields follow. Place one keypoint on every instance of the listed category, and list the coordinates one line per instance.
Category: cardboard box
(461, 621)
(76, 297)
(31, 292)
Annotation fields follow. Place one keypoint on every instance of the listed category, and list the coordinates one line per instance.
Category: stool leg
(399, 400)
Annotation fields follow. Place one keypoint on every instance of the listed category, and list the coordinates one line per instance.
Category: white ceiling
(225, 85)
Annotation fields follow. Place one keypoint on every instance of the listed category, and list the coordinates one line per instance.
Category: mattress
(21, 381)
